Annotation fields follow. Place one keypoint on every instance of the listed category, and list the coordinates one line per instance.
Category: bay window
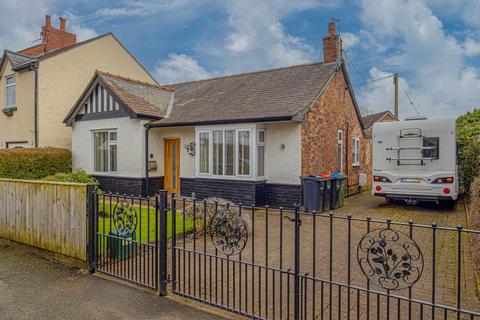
(225, 152)
(105, 151)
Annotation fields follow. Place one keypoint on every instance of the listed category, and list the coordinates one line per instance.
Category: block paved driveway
(330, 244)
(32, 286)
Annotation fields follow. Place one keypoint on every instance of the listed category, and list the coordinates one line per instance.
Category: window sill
(356, 165)
(8, 111)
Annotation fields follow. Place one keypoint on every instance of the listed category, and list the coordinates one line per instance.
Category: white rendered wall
(283, 165)
(156, 144)
(130, 145)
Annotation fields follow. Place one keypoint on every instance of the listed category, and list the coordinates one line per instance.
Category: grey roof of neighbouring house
(16, 59)
(277, 94)
(370, 119)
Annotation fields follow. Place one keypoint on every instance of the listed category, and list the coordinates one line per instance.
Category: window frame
(260, 144)
(7, 85)
(356, 152)
(109, 143)
(252, 132)
(340, 139)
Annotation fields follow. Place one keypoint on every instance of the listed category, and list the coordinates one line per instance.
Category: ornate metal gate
(128, 238)
(281, 264)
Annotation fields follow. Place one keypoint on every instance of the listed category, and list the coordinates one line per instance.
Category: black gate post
(174, 242)
(297, 299)
(162, 246)
(91, 231)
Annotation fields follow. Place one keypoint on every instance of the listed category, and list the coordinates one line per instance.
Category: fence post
(91, 231)
(297, 297)
(174, 242)
(162, 246)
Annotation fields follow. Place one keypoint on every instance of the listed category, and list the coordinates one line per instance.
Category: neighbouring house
(247, 137)
(368, 122)
(370, 119)
(41, 83)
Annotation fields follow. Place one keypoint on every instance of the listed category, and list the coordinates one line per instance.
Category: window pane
(261, 136)
(113, 157)
(113, 136)
(433, 145)
(101, 151)
(218, 152)
(10, 80)
(174, 165)
(230, 152)
(204, 150)
(244, 152)
(261, 161)
(10, 92)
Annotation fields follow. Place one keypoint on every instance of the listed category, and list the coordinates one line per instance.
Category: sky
(434, 45)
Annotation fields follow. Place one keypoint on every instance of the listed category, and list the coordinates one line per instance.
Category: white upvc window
(10, 91)
(340, 150)
(105, 151)
(356, 152)
(228, 152)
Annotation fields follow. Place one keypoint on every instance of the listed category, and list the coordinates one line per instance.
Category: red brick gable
(335, 110)
(52, 39)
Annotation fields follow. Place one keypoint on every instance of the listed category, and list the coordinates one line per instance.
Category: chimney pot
(48, 21)
(63, 23)
(332, 28)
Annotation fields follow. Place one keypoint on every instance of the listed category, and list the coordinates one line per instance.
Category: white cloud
(178, 68)
(74, 25)
(472, 47)
(441, 80)
(349, 40)
(140, 8)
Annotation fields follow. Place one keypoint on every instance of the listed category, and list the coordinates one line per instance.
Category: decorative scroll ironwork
(229, 232)
(390, 259)
(124, 219)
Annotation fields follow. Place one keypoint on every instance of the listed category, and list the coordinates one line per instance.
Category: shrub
(78, 176)
(468, 136)
(473, 216)
(34, 163)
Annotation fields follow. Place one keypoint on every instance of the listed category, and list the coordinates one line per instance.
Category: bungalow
(247, 137)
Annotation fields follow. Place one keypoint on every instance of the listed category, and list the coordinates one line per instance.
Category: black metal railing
(287, 264)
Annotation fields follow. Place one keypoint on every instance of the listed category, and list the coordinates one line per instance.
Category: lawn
(145, 230)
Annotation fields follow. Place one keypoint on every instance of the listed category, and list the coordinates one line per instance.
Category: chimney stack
(52, 38)
(63, 22)
(332, 45)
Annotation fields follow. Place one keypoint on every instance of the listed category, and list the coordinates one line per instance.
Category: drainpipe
(146, 161)
(34, 68)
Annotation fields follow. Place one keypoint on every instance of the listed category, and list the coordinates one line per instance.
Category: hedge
(78, 176)
(468, 136)
(34, 163)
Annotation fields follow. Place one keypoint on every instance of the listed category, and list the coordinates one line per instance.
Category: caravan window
(433, 143)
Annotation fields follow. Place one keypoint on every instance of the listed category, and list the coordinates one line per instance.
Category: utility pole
(395, 85)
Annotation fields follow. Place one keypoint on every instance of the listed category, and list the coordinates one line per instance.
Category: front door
(172, 165)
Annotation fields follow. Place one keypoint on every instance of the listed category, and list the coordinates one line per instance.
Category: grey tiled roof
(16, 59)
(143, 98)
(270, 94)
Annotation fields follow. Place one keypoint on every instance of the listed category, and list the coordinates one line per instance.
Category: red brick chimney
(332, 44)
(52, 38)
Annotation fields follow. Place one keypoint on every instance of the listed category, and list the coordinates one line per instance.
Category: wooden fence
(47, 215)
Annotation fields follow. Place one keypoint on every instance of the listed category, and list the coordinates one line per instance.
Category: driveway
(32, 286)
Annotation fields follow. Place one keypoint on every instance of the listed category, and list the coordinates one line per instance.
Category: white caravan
(415, 160)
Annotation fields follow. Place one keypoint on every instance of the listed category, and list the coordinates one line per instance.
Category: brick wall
(333, 111)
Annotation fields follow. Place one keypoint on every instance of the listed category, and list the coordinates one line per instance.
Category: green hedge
(34, 163)
(78, 176)
(468, 136)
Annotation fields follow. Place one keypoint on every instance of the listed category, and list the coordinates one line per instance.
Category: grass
(145, 230)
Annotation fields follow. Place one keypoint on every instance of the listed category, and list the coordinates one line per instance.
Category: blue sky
(433, 44)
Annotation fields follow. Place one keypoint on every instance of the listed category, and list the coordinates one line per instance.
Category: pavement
(35, 286)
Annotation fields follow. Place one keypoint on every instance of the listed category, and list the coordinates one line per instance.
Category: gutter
(212, 122)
